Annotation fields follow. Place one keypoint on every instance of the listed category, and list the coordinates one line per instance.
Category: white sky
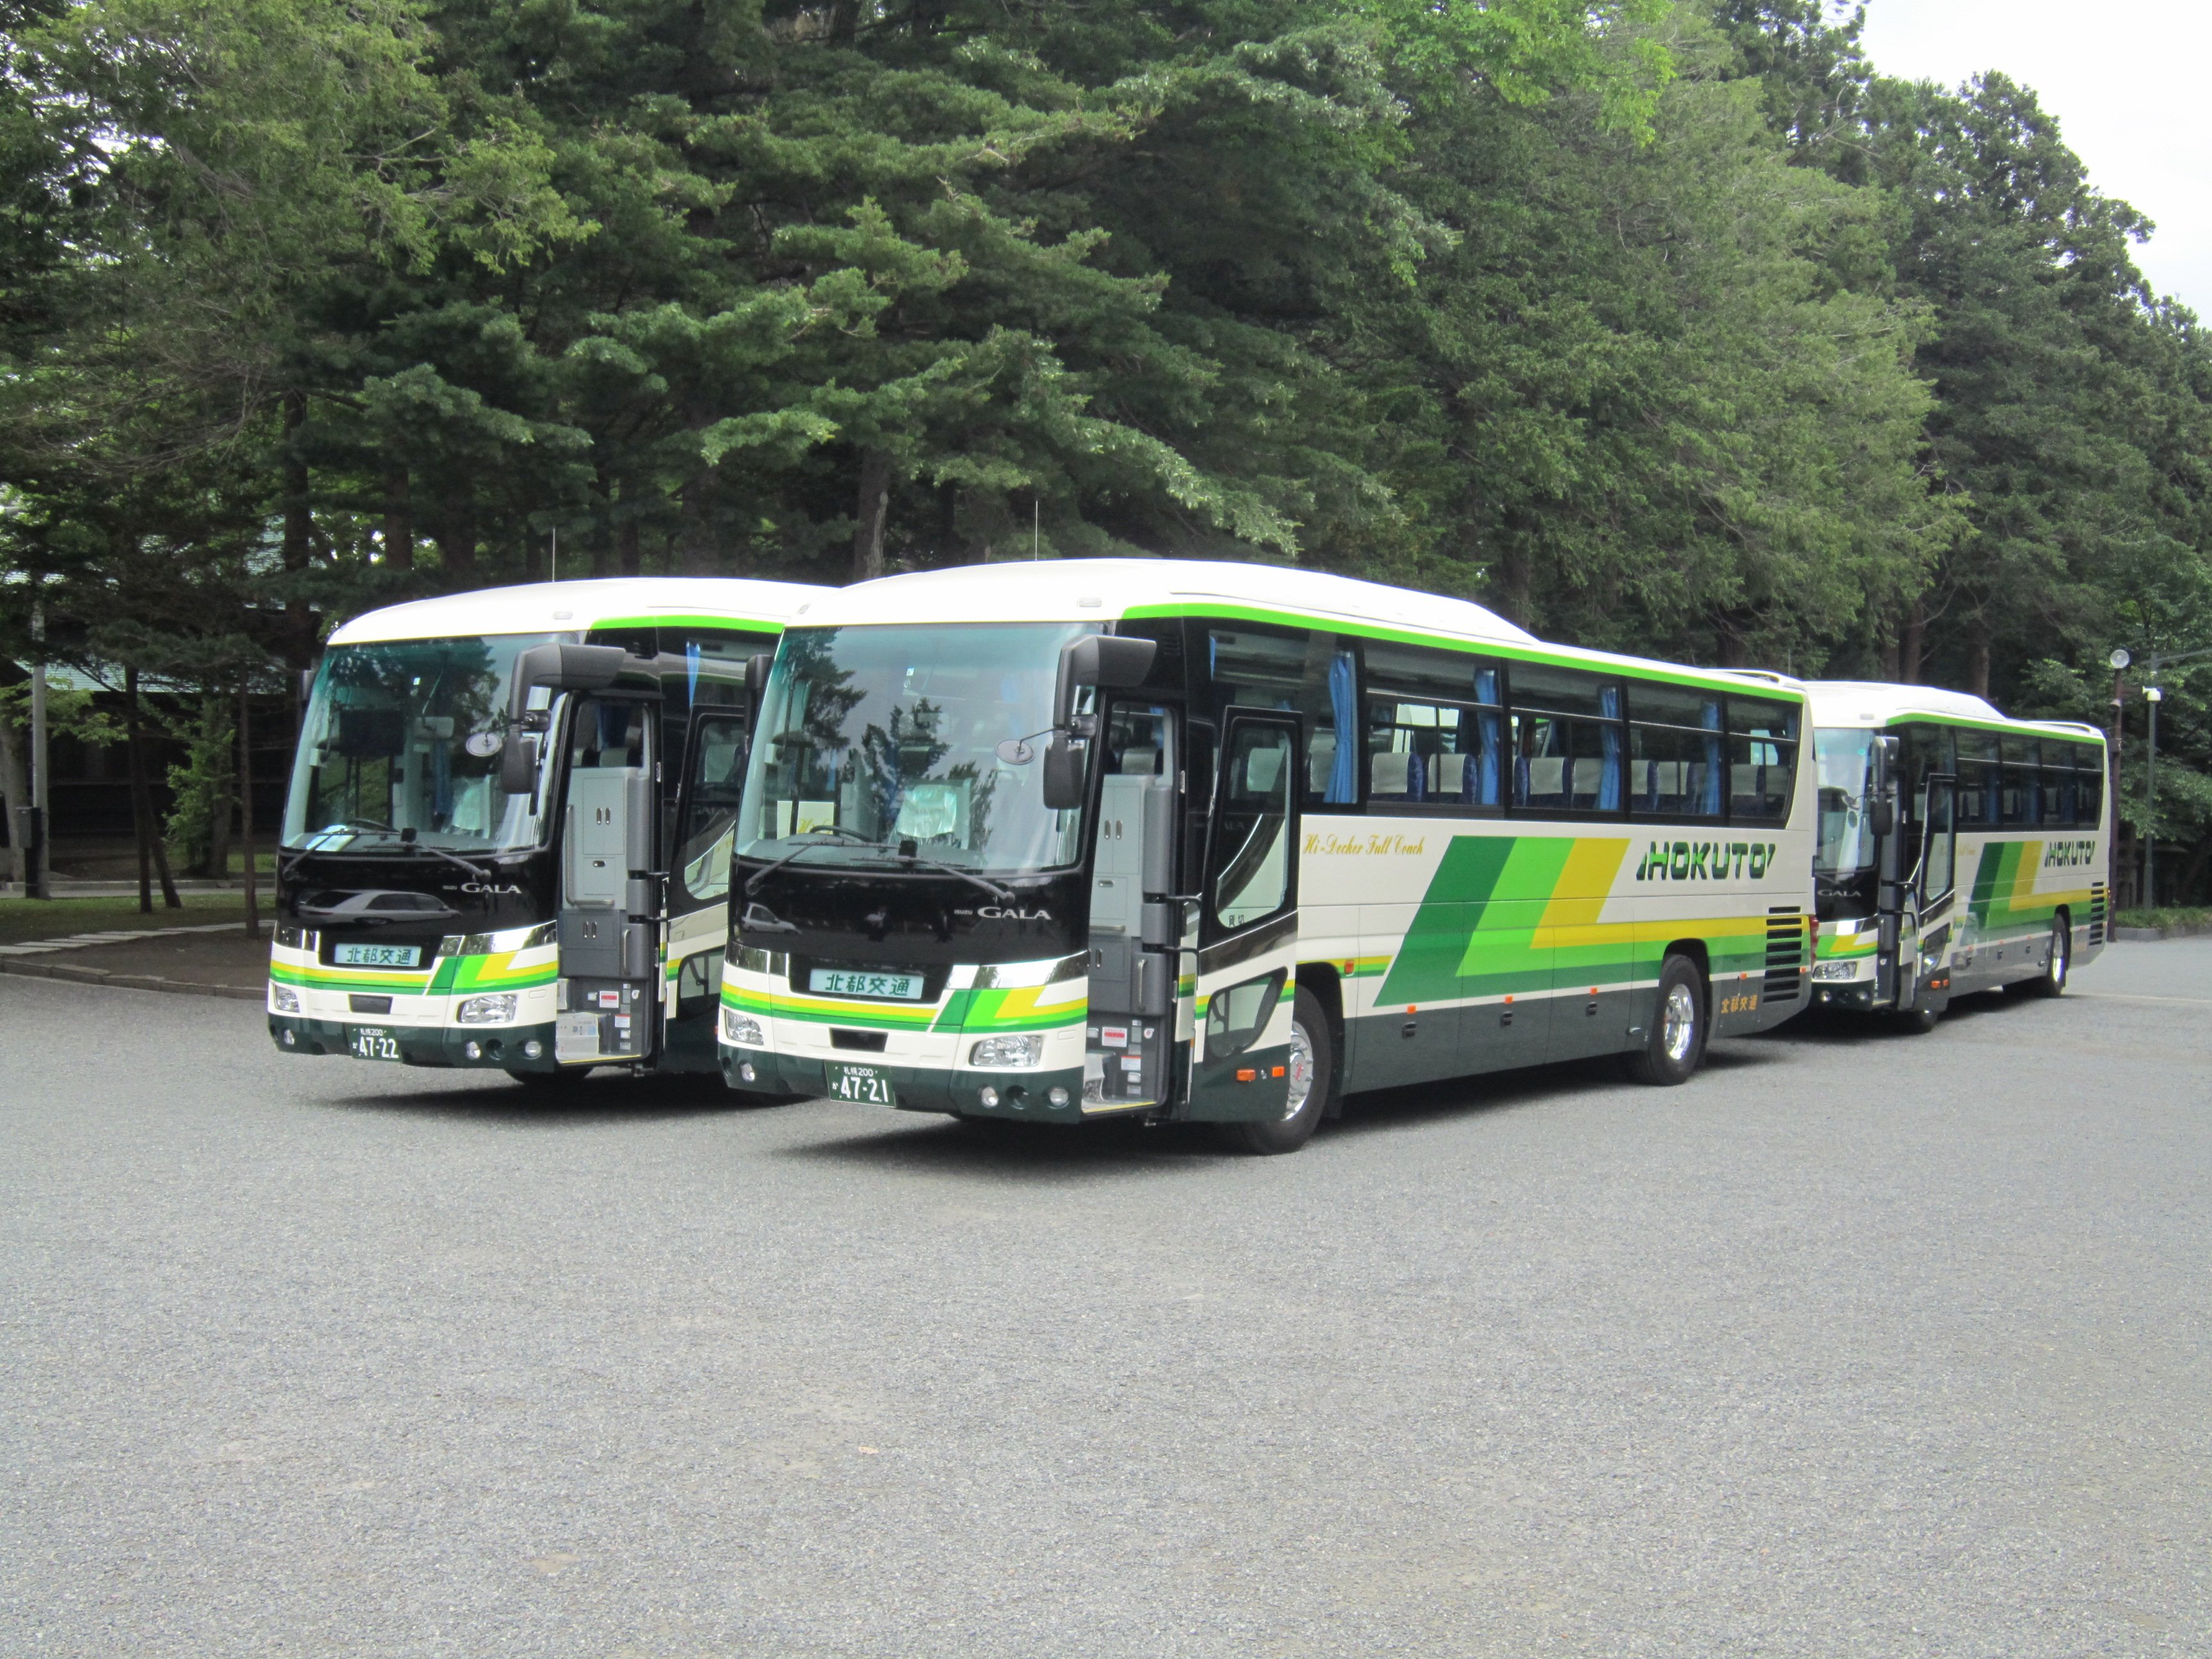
(2126, 81)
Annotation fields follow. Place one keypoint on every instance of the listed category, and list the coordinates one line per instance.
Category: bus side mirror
(1063, 773)
(518, 763)
(1881, 816)
(1099, 660)
(564, 667)
(757, 672)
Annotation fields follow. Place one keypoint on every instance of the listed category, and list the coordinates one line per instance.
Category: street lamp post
(2155, 695)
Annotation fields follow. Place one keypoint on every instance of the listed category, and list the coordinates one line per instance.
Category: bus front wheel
(1675, 1044)
(1312, 1070)
(2052, 981)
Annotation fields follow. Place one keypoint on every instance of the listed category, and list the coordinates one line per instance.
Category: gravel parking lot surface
(1861, 1344)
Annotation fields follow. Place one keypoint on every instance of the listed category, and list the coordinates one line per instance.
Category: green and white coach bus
(507, 841)
(1958, 850)
(1221, 842)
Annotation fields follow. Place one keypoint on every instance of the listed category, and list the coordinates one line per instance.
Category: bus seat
(1140, 762)
(1389, 775)
(1451, 777)
(1321, 761)
(1547, 776)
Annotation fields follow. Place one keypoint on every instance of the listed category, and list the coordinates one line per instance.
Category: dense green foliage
(1667, 324)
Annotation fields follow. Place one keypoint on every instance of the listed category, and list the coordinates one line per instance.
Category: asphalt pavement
(1860, 1344)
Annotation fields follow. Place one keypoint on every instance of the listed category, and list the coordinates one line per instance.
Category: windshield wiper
(903, 851)
(827, 838)
(404, 837)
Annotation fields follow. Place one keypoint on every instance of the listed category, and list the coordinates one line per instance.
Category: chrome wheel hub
(1678, 1024)
(1301, 1071)
(2059, 952)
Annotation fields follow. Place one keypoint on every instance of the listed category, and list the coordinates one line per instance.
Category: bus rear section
(1218, 843)
(1958, 850)
(506, 839)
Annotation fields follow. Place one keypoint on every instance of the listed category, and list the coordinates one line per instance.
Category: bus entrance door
(1933, 891)
(1129, 1030)
(1246, 984)
(609, 922)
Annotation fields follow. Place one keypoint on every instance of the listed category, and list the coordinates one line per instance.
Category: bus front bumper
(507, 1047)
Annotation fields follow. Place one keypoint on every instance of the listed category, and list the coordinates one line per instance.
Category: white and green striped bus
(507, 841)
(1223, 842)
(1958, 850)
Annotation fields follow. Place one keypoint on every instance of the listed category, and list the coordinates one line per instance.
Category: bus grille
(2096, 913)
(1785, 957)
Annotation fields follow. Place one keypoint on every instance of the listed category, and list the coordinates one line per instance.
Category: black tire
(1313, 1047)
(2051, 983)
(1676, 1046)
(1918, 1022)
(552, 1082)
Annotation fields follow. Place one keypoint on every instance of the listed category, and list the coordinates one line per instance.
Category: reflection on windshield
(889, 735)
(406, 735)
(1846, 844)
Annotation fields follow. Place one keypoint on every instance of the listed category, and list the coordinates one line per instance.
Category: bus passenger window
(1673, 752)
(1762, 759)
(1311, 674)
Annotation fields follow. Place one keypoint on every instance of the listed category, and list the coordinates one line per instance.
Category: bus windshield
(405, 735)
(889, 735)
(1846, 844)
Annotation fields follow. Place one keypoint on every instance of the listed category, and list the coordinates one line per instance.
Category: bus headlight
(999, 1053)
(487, 1011)
(284, 999)
(1834, 970)
(742, 1030)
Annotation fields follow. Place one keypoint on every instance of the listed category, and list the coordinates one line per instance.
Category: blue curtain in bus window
(1486, 783)
(1344, 769)
(1709, 798)
(691, 670)
(1608, 788)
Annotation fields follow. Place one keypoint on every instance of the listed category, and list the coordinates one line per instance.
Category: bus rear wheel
(1312, 1069)
(1675, 1045)
(2057, 963)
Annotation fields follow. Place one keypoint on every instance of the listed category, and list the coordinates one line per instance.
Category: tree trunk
(14, 798)
(398, 520)
(1889, 659)
(1978, 666)
(630, 556)
(1513, 585)
(245, 812)
(872, 508)
(457, 533)
(1913, 645)
(153, 856)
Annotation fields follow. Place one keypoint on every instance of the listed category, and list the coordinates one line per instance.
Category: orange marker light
(1277, 1072)
(1248, 1075)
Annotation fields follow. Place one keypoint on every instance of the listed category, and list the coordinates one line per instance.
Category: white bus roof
(575, 607)
(1100, 590)
(1877, 702)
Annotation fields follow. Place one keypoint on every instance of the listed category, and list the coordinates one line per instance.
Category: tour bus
(1958, 850)
(507, 841)
(1063, 840)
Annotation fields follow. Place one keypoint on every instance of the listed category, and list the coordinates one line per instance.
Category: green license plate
(373, 1043)
(869, 1085)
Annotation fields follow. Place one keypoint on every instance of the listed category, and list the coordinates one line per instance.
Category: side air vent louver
(2097, 918)
(1785, 957)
